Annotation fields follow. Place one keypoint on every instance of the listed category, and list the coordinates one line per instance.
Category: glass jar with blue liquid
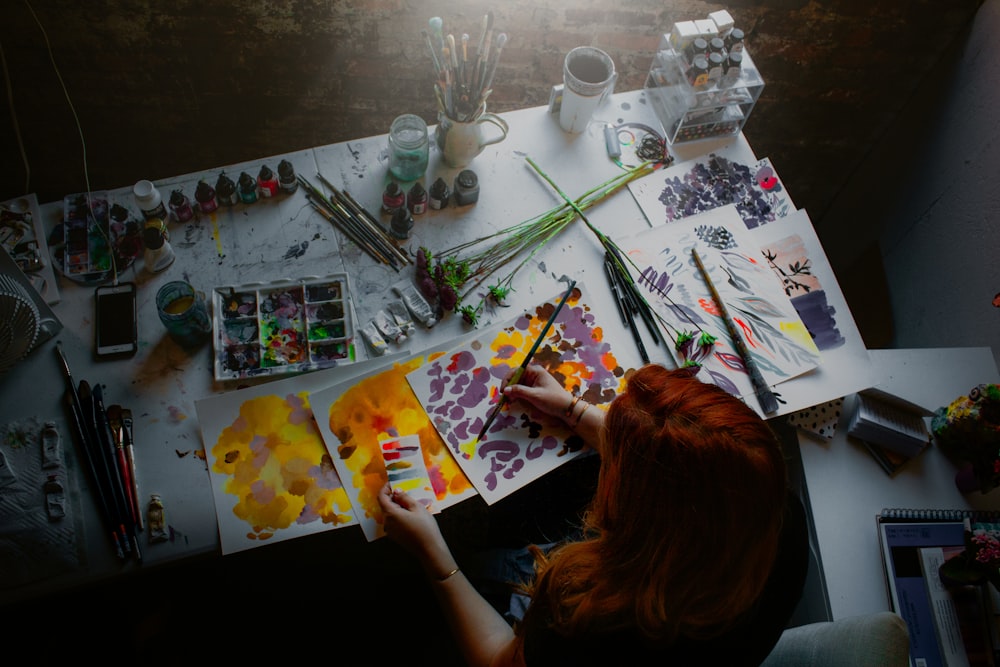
(408, 147)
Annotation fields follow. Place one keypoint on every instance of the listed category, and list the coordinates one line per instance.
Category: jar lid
(467, 178)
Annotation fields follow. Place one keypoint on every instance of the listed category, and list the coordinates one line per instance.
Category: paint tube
(156, 520)
(416, 304)
(401, 316)
(374, 339)
(387, 327)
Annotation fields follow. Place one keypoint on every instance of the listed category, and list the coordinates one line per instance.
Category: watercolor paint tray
(285, 326)
(96, 239)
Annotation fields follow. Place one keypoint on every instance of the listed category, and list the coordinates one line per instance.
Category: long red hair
(683, 528)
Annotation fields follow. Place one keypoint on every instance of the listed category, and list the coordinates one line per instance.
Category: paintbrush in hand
(519, 371)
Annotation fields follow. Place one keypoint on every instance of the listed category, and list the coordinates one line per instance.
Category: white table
(847, 488)
(253, 243)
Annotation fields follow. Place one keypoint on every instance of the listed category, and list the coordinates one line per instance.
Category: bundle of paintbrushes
(464, 79)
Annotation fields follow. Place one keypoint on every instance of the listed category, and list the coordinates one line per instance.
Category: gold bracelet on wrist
(580, 416)
(572, 404)
(449, 575)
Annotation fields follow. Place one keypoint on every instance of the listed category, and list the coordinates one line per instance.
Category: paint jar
(156, 520)
(393, 197)
(439, 194)
(734, 41)
(149, 200)
(732, 68)
(204, 194)
(287, 179)
(716, 63)
(183, 311)
(416, 199)
(696, 47)
(401, 224)
(158, 254)
(409, 148)
(466, 188)
(247, 188)
(697, 74)
(180, 206)
(267, 182)
(225, 190)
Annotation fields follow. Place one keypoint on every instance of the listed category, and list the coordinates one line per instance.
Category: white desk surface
(258, 243)
(847, 488)
(264, 241)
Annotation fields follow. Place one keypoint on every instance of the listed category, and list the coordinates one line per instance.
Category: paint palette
(98, 239)
(282, 327)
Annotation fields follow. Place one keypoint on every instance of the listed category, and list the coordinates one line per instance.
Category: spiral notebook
(906, 536)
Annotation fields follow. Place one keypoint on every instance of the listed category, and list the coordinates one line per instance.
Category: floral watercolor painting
(772, 330)
(272, 476)
(355, 416)
(460, 389)
(730, 175)
(795, 255)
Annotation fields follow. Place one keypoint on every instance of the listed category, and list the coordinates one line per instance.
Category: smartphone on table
(115, 334)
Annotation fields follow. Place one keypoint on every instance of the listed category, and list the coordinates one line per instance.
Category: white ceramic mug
(588, 78)
(460, 142)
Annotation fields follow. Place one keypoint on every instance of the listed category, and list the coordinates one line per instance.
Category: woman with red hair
(692, 549)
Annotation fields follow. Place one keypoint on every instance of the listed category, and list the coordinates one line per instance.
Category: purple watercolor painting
(460, 389)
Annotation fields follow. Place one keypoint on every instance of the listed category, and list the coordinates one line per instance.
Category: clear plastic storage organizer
(285, 326)
(696, 97)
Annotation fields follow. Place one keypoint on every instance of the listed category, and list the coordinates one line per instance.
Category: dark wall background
(165, 88)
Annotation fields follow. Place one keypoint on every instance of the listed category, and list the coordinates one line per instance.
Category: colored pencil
(519, 371)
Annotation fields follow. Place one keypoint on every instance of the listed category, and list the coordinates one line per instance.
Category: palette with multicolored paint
(282, 327)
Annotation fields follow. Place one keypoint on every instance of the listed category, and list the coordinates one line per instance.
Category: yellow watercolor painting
(359, 414)
(272, 476)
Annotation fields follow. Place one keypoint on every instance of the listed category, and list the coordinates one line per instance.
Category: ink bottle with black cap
(466, 188)
(287, 179)
(247, 188)
(267, 182)
(439, 194)
(393, 197)
(225, 190)
(401, 224)
(416, 199)
(204, 194)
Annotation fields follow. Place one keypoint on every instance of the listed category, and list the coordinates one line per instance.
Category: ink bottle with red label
(267, 182)
(180, 206)
(204, 194)
(416, 199)
(393, 197)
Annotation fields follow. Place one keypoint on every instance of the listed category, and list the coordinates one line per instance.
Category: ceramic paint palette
(286, 326)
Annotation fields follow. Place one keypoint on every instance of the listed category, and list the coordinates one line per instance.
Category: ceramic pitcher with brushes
(460, 142)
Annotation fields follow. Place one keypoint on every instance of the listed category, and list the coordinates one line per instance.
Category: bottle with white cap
(149, 200)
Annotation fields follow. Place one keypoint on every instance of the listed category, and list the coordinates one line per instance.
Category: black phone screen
(116, 320)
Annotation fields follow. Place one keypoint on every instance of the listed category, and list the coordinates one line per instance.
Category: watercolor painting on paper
(728, 176)
(795, 255)
(272, 476)
(460, 389)
(772, 330)
(404, 464)
(355, 416)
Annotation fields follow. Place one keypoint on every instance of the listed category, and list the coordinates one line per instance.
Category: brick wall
(167, 88)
